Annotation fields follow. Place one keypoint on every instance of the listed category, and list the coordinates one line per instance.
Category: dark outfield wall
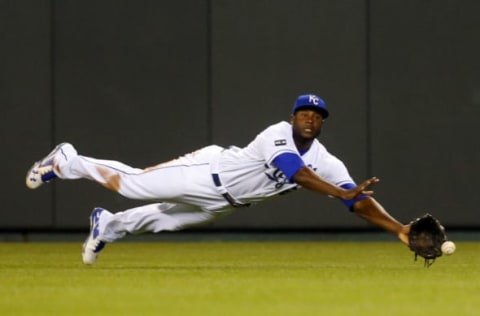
(146, 81)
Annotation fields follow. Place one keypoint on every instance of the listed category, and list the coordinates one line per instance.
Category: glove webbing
(428, 261)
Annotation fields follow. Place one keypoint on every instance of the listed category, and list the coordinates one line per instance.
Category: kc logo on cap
(313, 99)
(313, 102)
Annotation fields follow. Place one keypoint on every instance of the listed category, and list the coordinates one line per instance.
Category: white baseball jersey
(248, 173)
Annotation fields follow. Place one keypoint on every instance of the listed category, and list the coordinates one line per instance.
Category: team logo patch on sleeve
(280, 142)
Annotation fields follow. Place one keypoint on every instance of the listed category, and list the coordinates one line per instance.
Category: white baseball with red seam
(448, 247)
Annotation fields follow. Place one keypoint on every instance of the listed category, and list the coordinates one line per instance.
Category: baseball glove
(426, 238)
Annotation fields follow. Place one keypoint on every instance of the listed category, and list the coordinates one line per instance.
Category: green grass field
(237, 278)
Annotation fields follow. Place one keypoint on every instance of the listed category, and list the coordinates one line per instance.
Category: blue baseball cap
(311, 102)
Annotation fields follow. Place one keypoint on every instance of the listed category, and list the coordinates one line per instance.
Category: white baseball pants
(184, 184)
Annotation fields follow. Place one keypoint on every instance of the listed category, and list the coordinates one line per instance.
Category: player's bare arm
(308, 179)
(370, 210)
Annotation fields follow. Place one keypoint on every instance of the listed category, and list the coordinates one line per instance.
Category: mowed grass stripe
(237, 278)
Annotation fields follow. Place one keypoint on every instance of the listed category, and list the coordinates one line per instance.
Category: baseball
(448, 248)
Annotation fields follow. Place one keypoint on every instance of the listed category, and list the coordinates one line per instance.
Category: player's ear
(291, 118)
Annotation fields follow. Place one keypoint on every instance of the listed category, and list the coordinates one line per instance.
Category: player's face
(306, 124)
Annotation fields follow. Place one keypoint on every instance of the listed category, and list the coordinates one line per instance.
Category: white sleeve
(275, 140)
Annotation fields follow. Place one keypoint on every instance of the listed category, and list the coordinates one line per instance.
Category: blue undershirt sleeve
(350, 203)
(289, 164)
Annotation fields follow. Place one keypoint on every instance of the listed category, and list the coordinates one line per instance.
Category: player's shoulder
(321, 152)
(320, 149)
(281, 131)
(280, 127)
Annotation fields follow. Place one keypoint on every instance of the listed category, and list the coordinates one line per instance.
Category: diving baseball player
(205, 184)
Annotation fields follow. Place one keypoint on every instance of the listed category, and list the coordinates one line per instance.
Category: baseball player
(205, 184)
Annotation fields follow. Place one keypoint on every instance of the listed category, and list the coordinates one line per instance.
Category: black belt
(233, 202)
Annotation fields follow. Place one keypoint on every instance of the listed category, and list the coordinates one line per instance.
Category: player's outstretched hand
(361, 189)
(403, 234)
